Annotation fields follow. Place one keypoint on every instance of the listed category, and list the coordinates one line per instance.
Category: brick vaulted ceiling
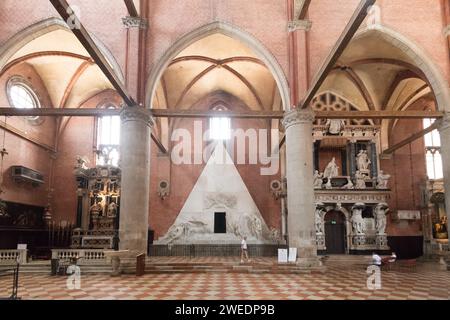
(375, 75)
(217, 63)
(69, 74)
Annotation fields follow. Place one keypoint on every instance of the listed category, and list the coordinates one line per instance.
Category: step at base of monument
(230, 268)
(45, 268)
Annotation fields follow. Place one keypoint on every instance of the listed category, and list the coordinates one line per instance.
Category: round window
(21, 96)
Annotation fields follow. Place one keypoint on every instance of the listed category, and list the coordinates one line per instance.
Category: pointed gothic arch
(227, 30)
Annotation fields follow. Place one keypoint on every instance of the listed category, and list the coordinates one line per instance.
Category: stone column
(351, 154)
(373, 160)
(135, 181)
(135, 26)
(300, 186)
(444, 132)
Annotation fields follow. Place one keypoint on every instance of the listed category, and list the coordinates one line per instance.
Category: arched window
(433, 152)
(108, 139)
(21, 95)
(219, 127)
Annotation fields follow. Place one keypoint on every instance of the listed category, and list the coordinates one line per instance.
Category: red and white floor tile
(340, 281)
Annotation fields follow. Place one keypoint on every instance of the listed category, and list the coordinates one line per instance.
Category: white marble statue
(360, 180)
(319, 216)
(318, 180)
(362, 161)
(328, 185)
(175, 232)
(380, 215)
(357, 219)
(81, 162)
(349, 185)
(331, 169)
(335, 126)
(382, 180)
(185, 229)
(255, 227)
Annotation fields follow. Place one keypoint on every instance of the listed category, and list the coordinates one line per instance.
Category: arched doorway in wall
(335, 232)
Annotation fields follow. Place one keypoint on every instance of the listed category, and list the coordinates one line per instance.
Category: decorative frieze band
(299, 25)
(345, 197)
(135, 22)
(136, 114)
(298, 116)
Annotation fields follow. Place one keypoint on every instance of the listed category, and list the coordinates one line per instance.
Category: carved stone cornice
(135, 22)
(298, 116)
(136, 114)
(299, 25)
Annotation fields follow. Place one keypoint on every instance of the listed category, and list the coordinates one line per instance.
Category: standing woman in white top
(244, 250)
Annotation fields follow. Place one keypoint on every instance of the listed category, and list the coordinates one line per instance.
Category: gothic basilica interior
(164, 129)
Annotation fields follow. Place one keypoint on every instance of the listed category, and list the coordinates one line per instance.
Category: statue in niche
(319, 216)
(357, 219)
(362, 161)
(318, 180)
(382, 180)
(380, 215)
(335, 126)
(331, 169)
(360, 180)
(112, 210)
(349, 185)
(96, 209)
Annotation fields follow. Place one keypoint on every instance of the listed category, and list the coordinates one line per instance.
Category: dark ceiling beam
(189, 113)
(304, 9)
(132, 11)
(410, 139)
(343, 41)
(66, 13)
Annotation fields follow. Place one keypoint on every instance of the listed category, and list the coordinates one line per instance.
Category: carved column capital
(299, 25)
(446, 31)
(444, 123)
(135, 22)
(298, 116)
(136, 114)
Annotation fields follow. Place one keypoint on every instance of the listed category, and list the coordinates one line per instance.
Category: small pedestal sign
(282, 255)
(292, 255)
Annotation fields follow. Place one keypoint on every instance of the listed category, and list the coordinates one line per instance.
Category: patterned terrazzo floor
(342, 280)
